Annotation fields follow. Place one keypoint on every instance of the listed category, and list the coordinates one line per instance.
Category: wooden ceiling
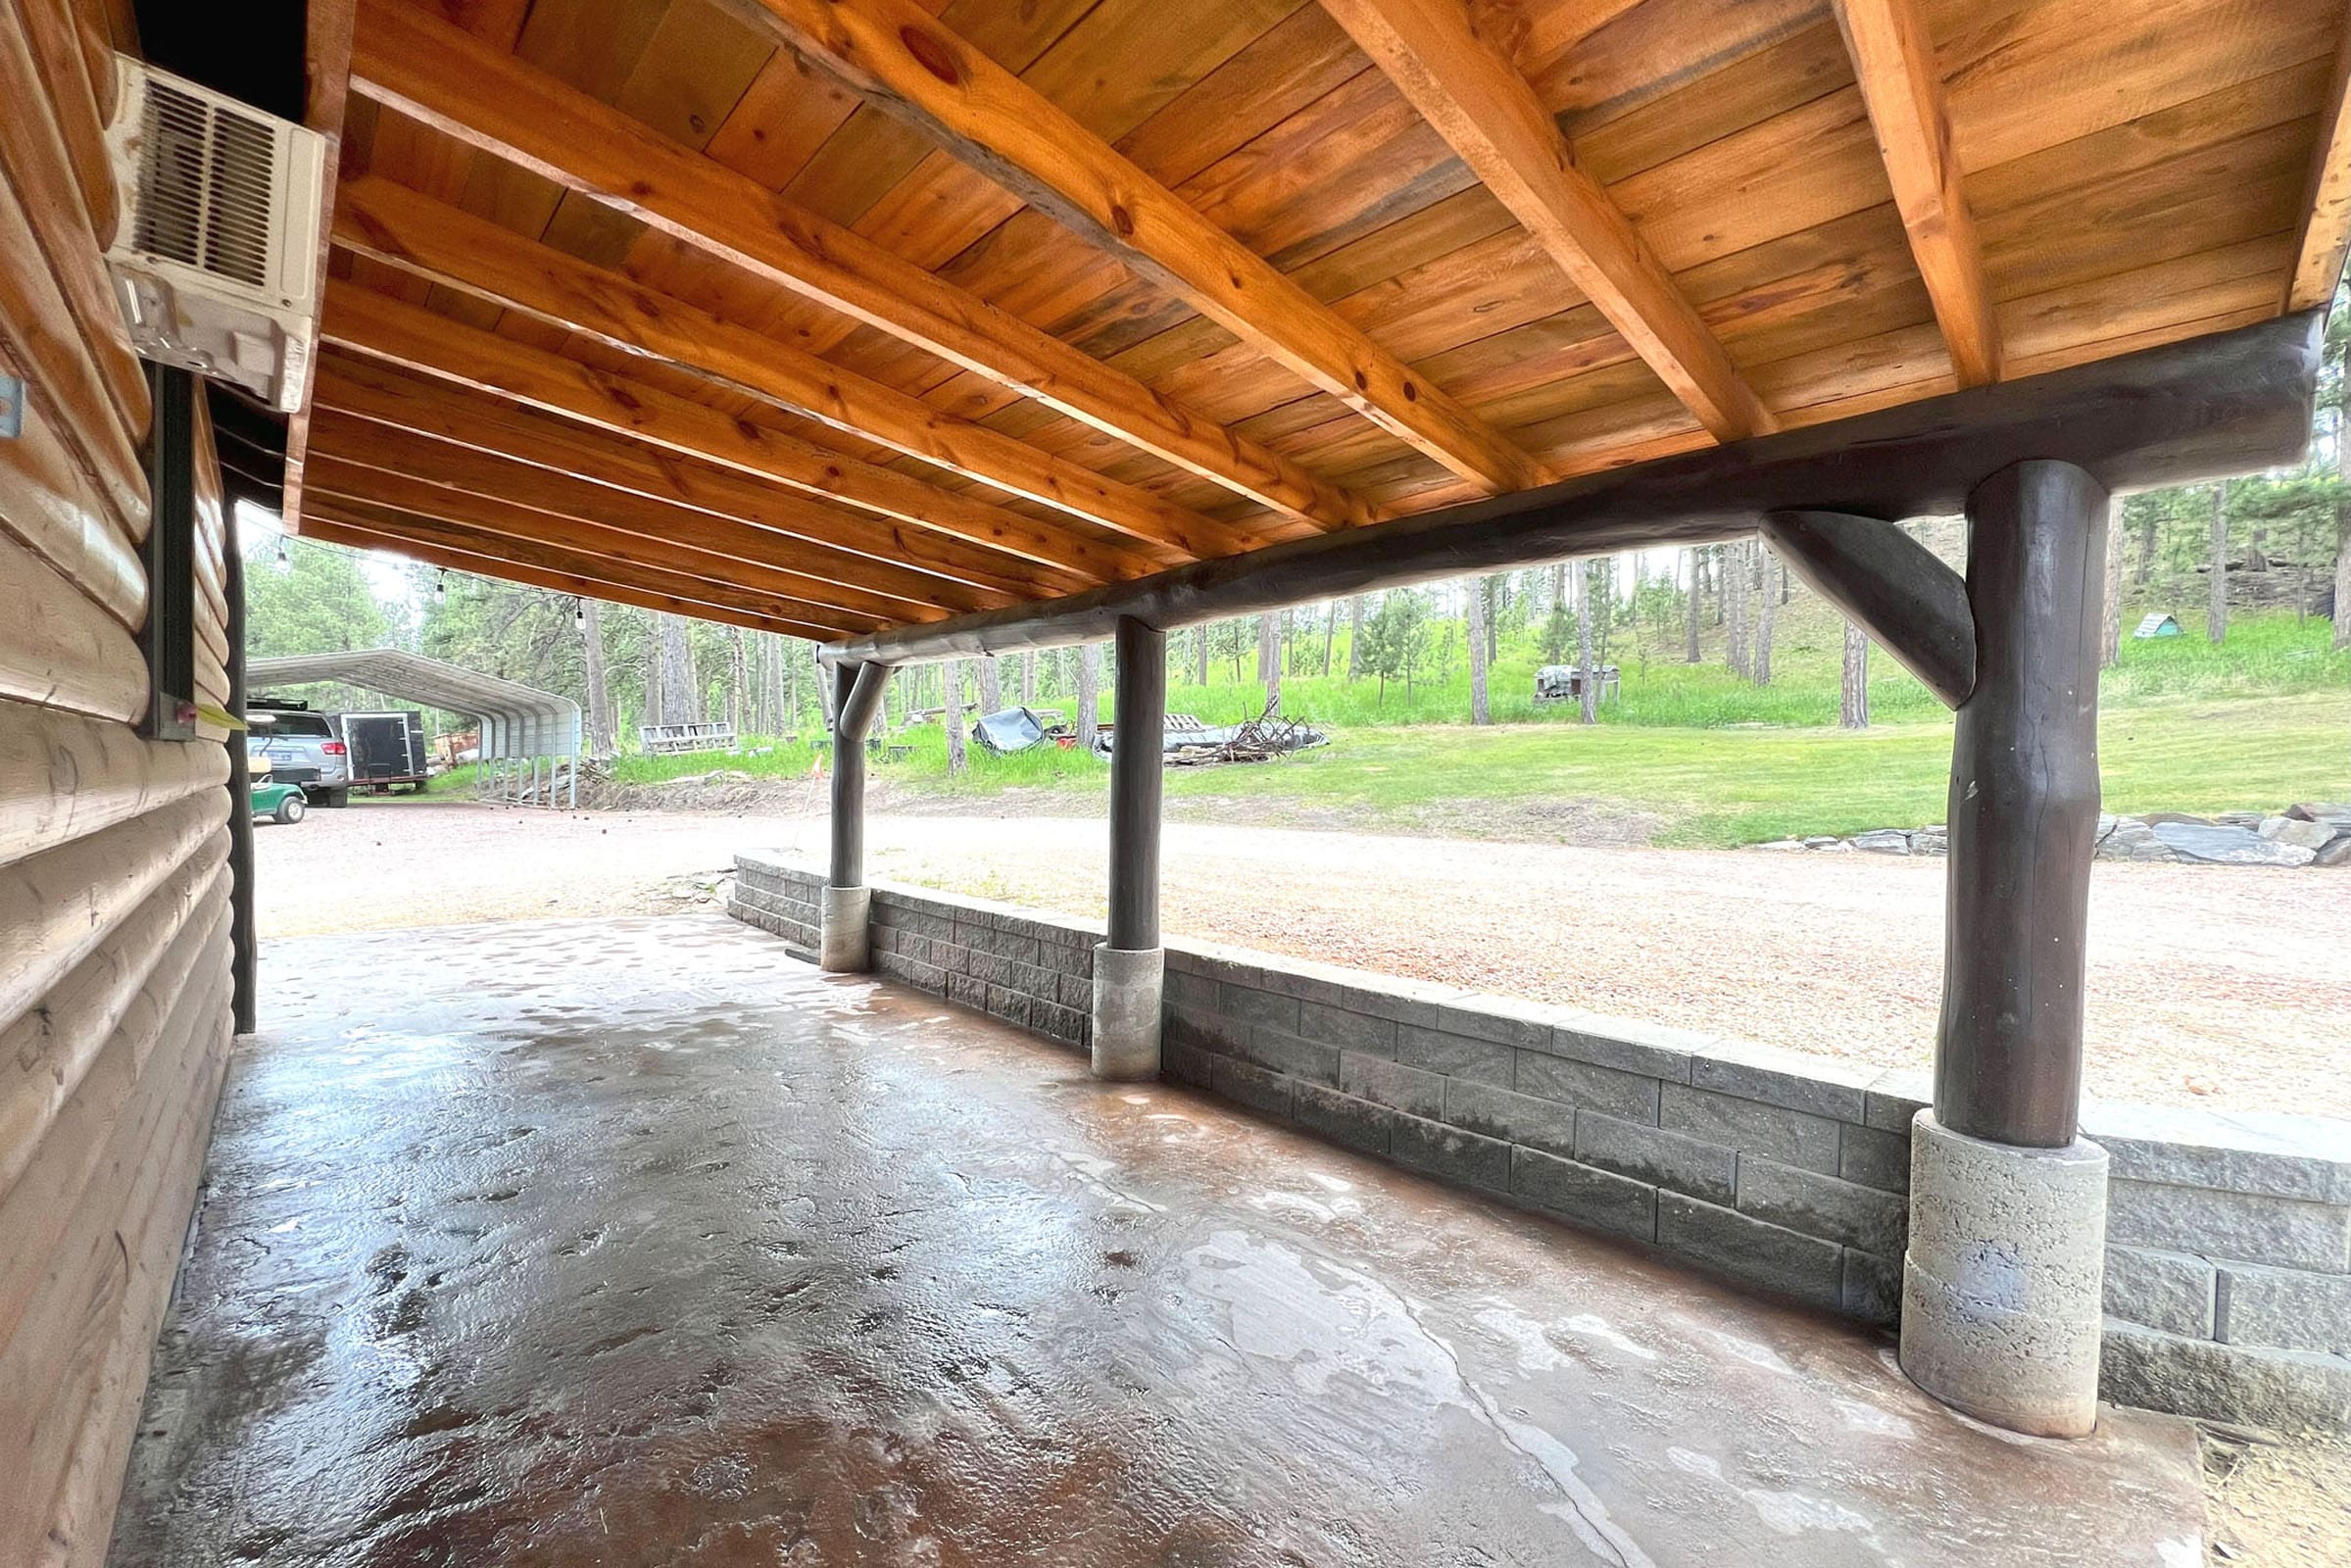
(832, 316)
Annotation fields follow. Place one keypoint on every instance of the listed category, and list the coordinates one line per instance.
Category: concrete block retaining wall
(2229, 1263)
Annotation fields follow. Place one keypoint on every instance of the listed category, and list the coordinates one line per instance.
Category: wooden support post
(1137, 768)
(2003, 1277)
(856, 696)
(1130, 969)
(2024, 809)
(244, 1002)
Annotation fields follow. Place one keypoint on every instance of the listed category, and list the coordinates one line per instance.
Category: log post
(1130, 969)
(244, 1002)
(2003, 1281)
(844, 943)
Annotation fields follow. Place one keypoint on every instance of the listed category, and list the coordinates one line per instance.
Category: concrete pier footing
(844, 943)
(2001, 1285)
(1128, 984)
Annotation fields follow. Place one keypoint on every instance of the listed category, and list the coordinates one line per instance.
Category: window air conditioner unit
(215, 257)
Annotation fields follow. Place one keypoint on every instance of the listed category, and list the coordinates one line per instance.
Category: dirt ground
(2217, 987)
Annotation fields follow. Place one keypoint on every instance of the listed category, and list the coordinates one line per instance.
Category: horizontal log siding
(113, 888)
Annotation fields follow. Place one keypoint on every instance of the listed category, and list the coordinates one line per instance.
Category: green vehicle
(279, 803)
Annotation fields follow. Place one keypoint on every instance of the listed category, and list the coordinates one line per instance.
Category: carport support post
(844, 943)
(1130, 970)
(2001, 1284)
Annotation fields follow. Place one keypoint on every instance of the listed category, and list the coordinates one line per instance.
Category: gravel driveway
(2224, 988)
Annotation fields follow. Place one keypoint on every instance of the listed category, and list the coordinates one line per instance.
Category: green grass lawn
(2257, 723)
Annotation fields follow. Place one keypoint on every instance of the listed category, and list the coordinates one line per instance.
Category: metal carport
(523, 730)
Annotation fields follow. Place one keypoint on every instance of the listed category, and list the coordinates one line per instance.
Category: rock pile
(2307, 834)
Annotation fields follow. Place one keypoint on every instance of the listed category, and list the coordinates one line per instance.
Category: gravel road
(2224, 988)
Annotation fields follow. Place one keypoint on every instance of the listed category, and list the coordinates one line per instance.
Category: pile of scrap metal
(1016, 729)
(1186, 742)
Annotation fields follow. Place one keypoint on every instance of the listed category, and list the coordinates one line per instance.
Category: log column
(844, 943)
(1130, 969)
(2002, 1279)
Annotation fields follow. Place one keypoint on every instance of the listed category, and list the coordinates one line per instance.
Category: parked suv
(302, 748)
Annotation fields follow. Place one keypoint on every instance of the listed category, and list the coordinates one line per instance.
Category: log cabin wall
(114, 879)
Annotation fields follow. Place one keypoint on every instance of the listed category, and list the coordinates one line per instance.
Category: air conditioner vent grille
(205, 185)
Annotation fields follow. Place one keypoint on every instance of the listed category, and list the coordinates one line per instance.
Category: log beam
(1892, 587)
(2230, 403)
(902, 58)
(1901, 85)
(407, 229)
(491, 100)
(433, 345)
(1476, 99)
(936, 566)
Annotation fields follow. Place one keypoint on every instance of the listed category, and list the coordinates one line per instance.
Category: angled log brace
(1891, 586)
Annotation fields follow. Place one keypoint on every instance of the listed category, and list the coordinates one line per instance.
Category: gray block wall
(2229, 1280)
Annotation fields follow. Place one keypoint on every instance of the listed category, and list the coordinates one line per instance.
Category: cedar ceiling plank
(2020, 78)
(414, 340)
(1485, 111)
(383, 532)
(935, 565)
(854, 582)
(326, 102)
(894, 53)
(2327, 208)
(408, 229)
(422, 497)
(492, 99)
(1901, 83)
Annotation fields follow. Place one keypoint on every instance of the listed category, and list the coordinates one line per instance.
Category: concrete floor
(634, 1242)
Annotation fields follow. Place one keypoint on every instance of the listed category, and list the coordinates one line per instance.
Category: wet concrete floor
(635, 1242)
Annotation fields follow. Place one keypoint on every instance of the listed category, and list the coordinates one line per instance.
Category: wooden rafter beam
(682, 538)
(1477, 100)
(906, 561)
(418, 339)
(2326, 210)
(1901, 84)
(901, 57)
(491, 100)
(446, 544)
(489, 514)
(326, 90)
(410, 230)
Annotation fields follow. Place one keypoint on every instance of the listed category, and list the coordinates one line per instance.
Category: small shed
(2158, 625)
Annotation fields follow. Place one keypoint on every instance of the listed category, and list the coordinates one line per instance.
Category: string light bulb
(284, 563)
(440, 588)
(579, 613)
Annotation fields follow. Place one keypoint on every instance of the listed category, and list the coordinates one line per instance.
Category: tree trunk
(2342, 549)
(738, 683)
(1088, 694)
(1269, 659)
(1690, 618)
(952, 682)
(2109, 630)
(1354, 639)
(2146, 552)
(1734, 596)
(681, 698)
(2216, 616)
(1028, 679)
(1483, 589)
(1586, 677)
(1329, 634)
(1763, 621)
(1478, 711)
(600, 690)
(1853, 696)
(992, 686)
